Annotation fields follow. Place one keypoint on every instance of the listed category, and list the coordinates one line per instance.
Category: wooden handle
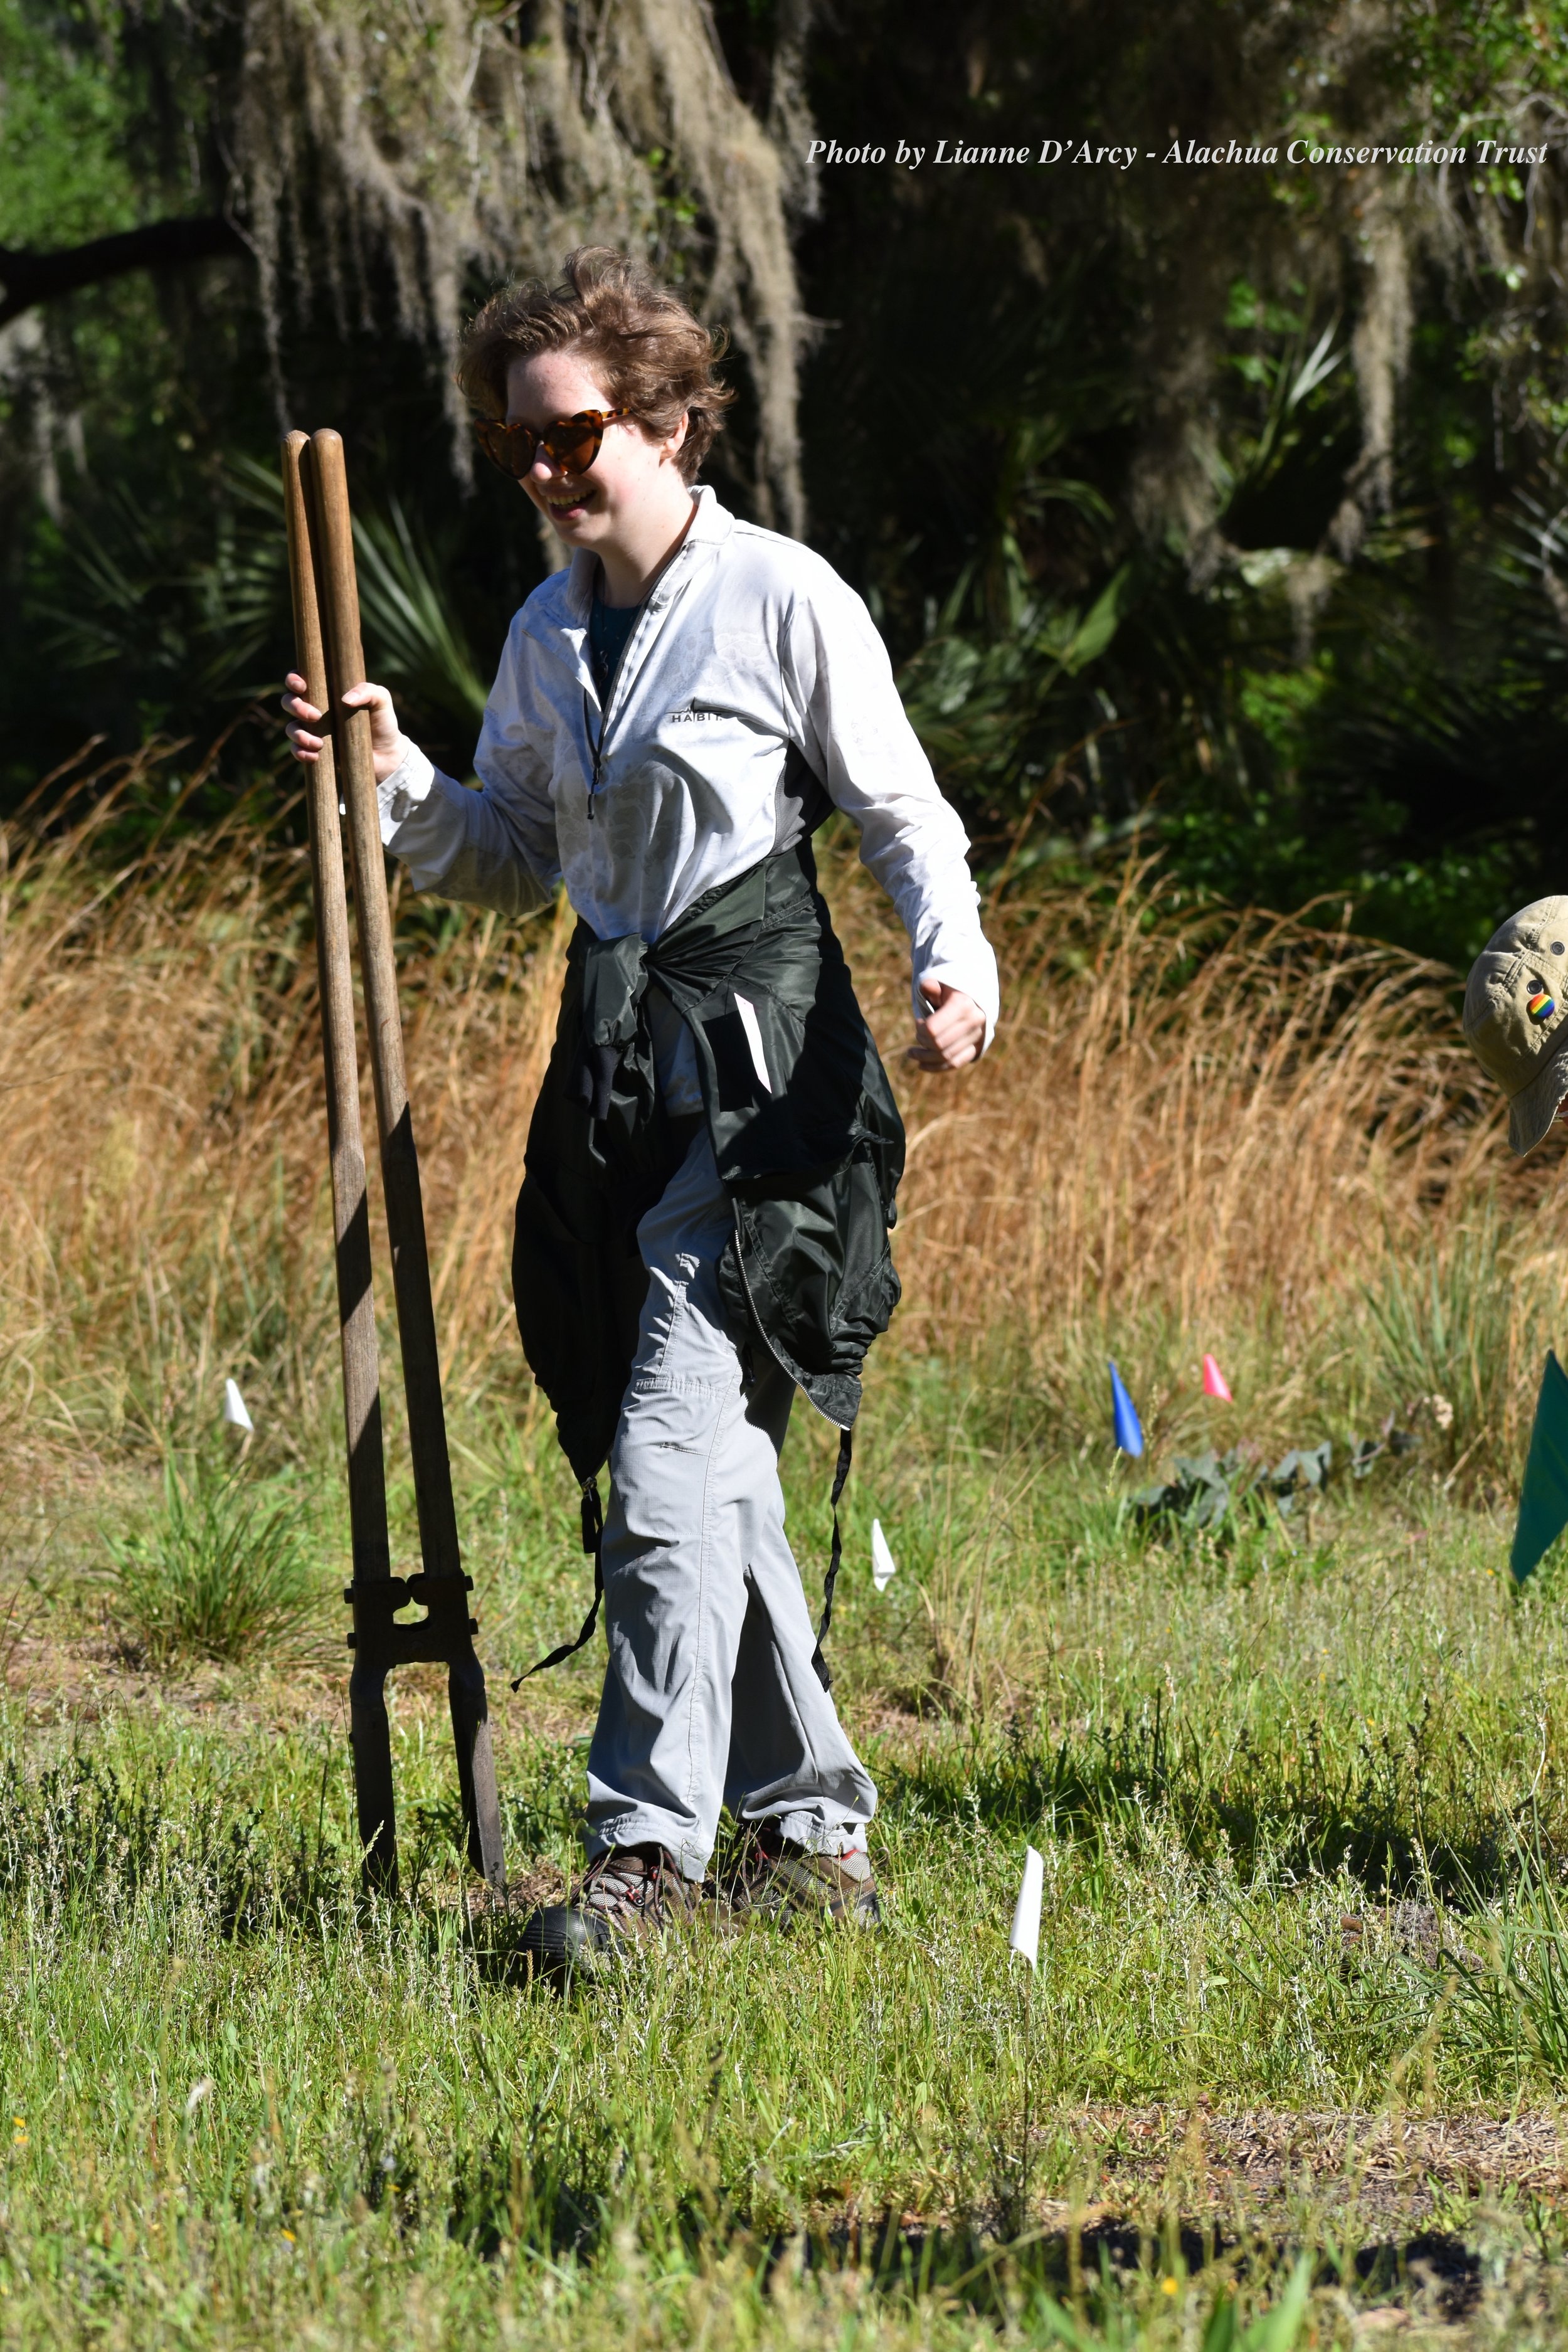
(334, 544)
(362, 1384)
(373, 914)
(310, 652)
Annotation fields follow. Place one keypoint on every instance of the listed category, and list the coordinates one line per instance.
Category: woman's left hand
(952, 1033)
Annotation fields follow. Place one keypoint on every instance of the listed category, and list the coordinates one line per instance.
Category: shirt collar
(710, 525)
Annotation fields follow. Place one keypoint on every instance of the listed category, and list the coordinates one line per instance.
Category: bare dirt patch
(1391, 2165)
(84, 1677)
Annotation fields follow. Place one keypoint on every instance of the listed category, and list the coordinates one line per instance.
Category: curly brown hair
(653, 357)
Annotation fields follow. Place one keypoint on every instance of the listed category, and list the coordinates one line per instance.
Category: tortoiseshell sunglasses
(570, 444)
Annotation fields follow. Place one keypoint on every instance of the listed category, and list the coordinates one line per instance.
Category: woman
(712, 1161)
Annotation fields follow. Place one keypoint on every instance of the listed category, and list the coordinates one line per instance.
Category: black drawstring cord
(845, 1453)
(593, 1542)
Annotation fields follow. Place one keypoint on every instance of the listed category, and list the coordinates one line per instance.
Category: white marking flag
(884, 1567)
(234, 1407)
(1026, 1935)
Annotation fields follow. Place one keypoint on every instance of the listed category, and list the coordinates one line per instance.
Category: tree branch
(29, 278)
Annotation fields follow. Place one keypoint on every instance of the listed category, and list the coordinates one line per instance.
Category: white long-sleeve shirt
(754, 684)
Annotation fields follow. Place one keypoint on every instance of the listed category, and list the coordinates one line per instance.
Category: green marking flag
(1544, 1499)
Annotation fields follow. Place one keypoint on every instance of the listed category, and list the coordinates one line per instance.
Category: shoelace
(615, 1882)
(770, 1855)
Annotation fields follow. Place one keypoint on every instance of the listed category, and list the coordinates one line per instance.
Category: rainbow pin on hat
(1516, 1017)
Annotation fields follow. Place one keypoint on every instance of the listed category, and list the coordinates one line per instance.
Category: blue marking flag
(1124, 1416)
(1543, 1497)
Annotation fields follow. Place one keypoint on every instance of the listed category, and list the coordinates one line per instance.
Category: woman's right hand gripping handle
(388, 745)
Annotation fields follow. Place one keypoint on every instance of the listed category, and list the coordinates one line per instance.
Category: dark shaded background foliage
(1096, 444)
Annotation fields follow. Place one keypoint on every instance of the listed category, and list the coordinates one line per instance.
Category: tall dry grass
(162, 1155)
(1195, 1130)
(1200, 1129)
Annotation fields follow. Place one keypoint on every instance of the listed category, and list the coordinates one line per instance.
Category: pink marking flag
(1215, 1382)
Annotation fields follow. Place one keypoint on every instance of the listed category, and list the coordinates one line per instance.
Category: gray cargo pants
(710, 1697)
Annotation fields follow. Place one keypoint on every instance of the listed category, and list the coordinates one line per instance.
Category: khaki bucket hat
(1516, 1017)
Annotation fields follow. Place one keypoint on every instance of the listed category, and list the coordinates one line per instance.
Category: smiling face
(631, 476)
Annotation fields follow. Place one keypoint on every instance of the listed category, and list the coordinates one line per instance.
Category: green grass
(241, 2108)
(222, 1568)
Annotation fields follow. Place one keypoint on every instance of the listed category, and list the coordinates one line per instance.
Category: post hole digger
(327, 632)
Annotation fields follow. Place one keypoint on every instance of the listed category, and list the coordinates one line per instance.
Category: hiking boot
(629, 1892)
(776, 1879)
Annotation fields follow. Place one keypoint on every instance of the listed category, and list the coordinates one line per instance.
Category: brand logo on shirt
(698, 711)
